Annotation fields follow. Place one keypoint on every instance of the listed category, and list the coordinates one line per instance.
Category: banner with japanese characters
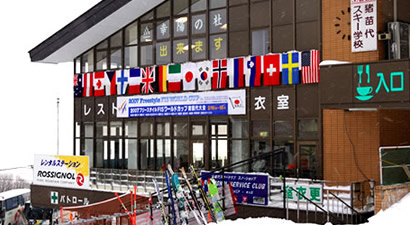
(230, 102)
(250, 189)
(363, 25)
(313, 192)
(61, 171)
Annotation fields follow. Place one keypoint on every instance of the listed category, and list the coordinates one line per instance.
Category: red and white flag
(99, 83)
(189, 76)
(271, 69)
(88, 84)
(310, 67)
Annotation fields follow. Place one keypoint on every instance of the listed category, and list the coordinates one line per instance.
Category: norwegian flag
(310, 67)
(148, 80)
(219, 73)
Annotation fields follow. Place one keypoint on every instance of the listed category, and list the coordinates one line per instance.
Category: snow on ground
(395, 215)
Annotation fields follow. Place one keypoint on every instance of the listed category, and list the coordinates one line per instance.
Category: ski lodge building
(214, 82)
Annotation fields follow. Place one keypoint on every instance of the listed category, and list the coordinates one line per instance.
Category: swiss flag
(99, 84)
(271, 69)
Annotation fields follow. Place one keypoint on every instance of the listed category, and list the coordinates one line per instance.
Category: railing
(342, 201)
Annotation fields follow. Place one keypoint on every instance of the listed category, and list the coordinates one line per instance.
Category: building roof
(90, 28)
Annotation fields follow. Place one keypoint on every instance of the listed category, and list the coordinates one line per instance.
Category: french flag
(134, 81)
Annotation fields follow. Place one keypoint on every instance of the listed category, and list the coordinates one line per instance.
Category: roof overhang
(92, 27)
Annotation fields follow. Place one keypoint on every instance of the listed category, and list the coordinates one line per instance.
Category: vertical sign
(363, 25)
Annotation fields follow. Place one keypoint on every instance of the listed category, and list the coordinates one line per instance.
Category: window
(147, 32)
(260, 42)
(218, 47)
(307, 128)
(146, 55)
(199, 24)
(284, 156)
(308, 161)
(217, 3)
(180, 129)
(130, 157)
(283, 128)
(163, 53)
(181, 153)
(259, 147)
(87, 62)
(239, 127)
(181, 49)
(198, 128)
(11, 203)
(199, 46)
(131, 57)
(131, 34)
(77, 65)
(260, 128)
(164, 10)
(163, 30)
(180, 26)
(217, 21)
(198, 5)
(180, 7)
(239, 151)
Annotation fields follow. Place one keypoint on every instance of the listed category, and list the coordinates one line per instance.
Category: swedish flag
(290, 68)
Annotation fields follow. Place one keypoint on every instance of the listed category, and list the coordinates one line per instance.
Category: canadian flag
(99, 83)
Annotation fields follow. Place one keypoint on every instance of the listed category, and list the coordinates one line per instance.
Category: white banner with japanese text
(363, 25)
(231, 102)
(313, 192)
(61, 171)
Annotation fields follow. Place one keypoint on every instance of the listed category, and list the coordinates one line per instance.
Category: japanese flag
(204, 75)
(189, 72)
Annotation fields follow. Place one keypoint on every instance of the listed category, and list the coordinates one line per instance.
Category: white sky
(28, 119)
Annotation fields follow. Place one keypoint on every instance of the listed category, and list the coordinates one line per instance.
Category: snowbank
(396, 214)
(259, 221)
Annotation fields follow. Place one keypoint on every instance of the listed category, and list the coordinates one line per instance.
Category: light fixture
(182, 19)
(362, 109)
(224, 27)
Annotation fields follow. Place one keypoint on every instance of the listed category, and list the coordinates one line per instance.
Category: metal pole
(58, 126)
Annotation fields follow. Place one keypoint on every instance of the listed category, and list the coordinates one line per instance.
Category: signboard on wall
(61, 171)
(231, 102)
(252, 189)
(363, 25)
(313, 192)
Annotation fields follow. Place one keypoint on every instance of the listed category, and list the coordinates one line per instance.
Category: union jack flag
(148, 78)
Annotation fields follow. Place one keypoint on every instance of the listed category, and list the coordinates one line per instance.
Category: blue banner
(179, 110)
(247, 188)
(231, 102)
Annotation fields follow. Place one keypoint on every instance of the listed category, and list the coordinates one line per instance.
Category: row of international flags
(251, 71)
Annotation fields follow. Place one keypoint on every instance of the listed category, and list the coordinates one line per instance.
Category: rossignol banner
(61, 171)
(231, 102)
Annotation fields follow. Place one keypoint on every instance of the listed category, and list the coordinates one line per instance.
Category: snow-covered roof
(12, 193)
(92, 27)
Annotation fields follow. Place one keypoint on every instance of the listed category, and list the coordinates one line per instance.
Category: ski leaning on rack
(204, 195)
(193, 196)
(171, 199)
(183, 204)
(213, 192)
(161, 203)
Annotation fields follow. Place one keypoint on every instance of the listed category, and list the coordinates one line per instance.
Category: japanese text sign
(61, 171)
(313, 192)
(363, 25)
(230, 102)
(250, 189)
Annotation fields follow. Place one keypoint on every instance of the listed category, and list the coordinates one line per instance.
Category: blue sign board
(247, 188)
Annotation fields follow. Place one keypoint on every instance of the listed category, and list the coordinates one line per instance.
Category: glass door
(219, 143)
(199, 149)
(307, 160)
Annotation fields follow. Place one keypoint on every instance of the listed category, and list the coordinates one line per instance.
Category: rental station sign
(61, 171)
